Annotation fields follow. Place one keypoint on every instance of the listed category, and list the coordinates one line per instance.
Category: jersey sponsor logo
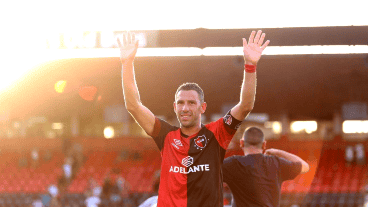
(177, 143)
(195, 168)
(187, 161)
(174, 145)
(200, 142)
(228, 120)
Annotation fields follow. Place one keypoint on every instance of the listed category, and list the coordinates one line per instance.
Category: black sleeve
(160, 130)
(229, 169)
(231, 122)
(289, 170)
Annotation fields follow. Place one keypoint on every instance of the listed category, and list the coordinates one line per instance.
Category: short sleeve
(224, 129)
(160, 130)
(228, 168)
(289, 170)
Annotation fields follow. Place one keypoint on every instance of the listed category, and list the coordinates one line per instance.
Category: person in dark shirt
(255, 179)
(192, 154)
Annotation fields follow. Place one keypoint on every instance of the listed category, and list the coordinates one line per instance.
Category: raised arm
(142, 115)
(290, 157)
(252, 53)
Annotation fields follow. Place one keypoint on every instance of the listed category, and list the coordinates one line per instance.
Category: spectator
(360, 154)
(66, 144)
(92, 201)
(78, 155)
(123, 185)
(91, 184)
(349, 155)
(115, 197)
(67, 169)
(97, 190)
(46, 199)
(37, 202)
(62, 184)
(55, 202)
(93, 193)
(93, 188)
(53, 191)
(107, 186)
(152, 201)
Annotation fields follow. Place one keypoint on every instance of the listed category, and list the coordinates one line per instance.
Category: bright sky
(28, 23)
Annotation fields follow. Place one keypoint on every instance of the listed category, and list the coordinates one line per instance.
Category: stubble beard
(189, 124)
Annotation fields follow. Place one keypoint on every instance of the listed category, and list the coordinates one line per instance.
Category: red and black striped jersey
(191, 172)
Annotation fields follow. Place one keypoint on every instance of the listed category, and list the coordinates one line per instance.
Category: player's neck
(248, 151)
(189, 131)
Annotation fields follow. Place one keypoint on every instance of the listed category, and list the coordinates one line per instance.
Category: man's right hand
(271, 151)
(142, 115)
(288, 156)
(128, 47)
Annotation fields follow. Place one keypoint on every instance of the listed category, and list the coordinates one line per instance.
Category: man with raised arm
(192, 155)
(255, 179)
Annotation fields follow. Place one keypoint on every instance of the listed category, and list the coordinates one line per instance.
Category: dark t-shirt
(191, 173)
(255, 179)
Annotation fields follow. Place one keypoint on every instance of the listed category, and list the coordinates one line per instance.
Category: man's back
(255, 179)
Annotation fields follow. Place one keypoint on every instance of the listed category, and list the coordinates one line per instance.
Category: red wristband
(250, 68)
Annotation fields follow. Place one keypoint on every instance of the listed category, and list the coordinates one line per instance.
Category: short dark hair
(191, 86)
(253, 136)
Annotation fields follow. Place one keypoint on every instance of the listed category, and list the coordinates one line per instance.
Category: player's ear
(174, 104)
(241, 143)
(203, 107)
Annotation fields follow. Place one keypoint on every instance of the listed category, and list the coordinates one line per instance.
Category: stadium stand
(330, 182)
(19, 179)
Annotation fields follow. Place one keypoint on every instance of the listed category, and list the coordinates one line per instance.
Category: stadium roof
(310, 86)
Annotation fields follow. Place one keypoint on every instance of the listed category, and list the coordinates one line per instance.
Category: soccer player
(192, 154)
(255, 179)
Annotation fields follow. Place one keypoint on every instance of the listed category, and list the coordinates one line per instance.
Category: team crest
(200, 142)
(228, 120)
